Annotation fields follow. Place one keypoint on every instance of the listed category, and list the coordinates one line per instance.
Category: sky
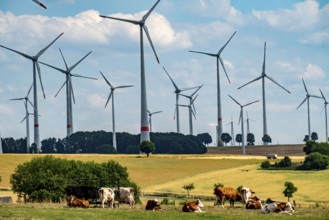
(296, 34)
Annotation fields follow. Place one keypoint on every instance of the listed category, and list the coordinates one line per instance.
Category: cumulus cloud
(313, 72)
(320, 37)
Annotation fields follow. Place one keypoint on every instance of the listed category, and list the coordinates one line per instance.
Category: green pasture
(166, 174)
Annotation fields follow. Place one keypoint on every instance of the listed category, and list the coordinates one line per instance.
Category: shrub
(147, 147)
(289, 190)
(315, 161)
(285, 162)
(265, 164)
(322, 148)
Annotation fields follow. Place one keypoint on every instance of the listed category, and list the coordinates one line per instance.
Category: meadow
(166, 174)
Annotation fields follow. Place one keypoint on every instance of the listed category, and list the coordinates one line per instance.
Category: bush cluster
(284, 163)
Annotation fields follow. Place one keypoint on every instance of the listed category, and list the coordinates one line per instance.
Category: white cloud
(313, 72)
(96, 100)
(320, 37)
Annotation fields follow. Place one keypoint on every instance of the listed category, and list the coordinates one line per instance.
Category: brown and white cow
(126, 195)
(254, 203)
(153, 205)
(246, 194)
(106, 195)
(278, 207)
(73, 201)
(226, 193)
(193, 206)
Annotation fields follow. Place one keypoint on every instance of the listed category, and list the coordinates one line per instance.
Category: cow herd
(112, 196)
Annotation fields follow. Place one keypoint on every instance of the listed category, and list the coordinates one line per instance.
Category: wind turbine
(39, 3)
(69, 89)
(35, 63)
(114, 140)
(308, 108)
(177, 91)
(191, 112)
(232, 132)
(190, 97)
(150, 117)
(145, 132)
(248, 123)
(219, 106)
(263, 76)
(241, 119)
(26, 100)
(325, 112)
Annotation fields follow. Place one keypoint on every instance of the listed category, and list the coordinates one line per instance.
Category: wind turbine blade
(270, 78)
(302, 103)
(106, 80)
(149, 38)
(30, 103)
(39, 73)
(72, 67)
(44, 49)
(185, 96)
(120, 87)
(240, 116)
(121, 19)
(193, 114)
(197, 90)
(315, 96)
(108, 99)
(234, 100)
(305, 86)
(71, 88)
(264, 59)
(323, 96)
(20, 53)
(221, 49)
(156, 112)
(64, 59)
(85, 77)
(23, 119)
(222, 63)
(61, 88)
(185, 89)
(150, 11)
(183, 105)
(251, 82)
(250, 103)
(323, 109)
(39, 3)
(209, 54)
(28, 93)
(16, 99)
(171, 79)
(56, 68)
(194, 99)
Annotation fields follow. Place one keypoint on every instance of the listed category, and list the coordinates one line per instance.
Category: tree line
(101, 142)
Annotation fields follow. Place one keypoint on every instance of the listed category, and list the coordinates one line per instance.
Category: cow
(254, 203)
(278, 207)
(73, 201)
(226, 193)
(126, 195)
(245, 194)
(153, 205)
(106, 195)
(193, 206)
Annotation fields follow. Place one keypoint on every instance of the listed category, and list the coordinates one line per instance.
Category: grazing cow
(73, 201)
(278, 207)
(227, 193)
(193, 206)
(153, 205)
(106, 195)
(126, 195)
(245, 194)
(254, 203)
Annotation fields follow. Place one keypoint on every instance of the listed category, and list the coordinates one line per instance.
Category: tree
(289, 190)
(314, 136)
(267, 139)
(216, 185)
(308, 147)
(147, 147)
(250, 138)
(238, 138)
(315, 161)
(265, 164)
(226, 138)
(204, 138)
(306, 138)
(188, 188)
(285, 162)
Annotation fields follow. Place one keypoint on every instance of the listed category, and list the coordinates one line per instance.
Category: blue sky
(296, 32)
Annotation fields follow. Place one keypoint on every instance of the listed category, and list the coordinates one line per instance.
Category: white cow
(246, 194)
(106, 195)
(278, 207)
(126, 195)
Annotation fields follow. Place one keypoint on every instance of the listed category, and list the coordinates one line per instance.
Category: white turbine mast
(325, 113)
(36, 68)
(150, 117)
(307, 98)
(69, 88)
(219, 105)
(114, 139)
(145, 131)
(263, 76)
(191, 112)
(241, 119)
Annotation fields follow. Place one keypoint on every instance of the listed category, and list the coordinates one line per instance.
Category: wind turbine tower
(150, 117)
(308, 108)
(232, 133)
(263, 76)
(36, 68)
(241, 119)
(145, 131)
(114, 140)
(191, 112)
(219, 130)
(69, 89)
(325, 113)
